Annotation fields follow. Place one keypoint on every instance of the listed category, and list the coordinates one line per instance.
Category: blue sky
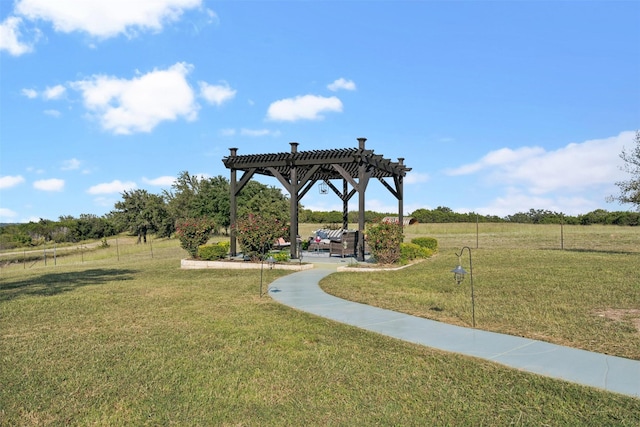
(498, 106)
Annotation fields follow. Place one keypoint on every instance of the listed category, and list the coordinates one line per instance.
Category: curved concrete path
(301, 291)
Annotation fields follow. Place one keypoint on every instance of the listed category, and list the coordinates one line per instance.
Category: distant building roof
(405, 221)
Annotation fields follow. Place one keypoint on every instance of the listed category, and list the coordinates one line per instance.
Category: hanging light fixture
(323, 188)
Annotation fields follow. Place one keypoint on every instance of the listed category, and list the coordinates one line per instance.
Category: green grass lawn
(140, 342)
(586, 296)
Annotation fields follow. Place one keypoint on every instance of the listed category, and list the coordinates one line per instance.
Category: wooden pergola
(299, 171)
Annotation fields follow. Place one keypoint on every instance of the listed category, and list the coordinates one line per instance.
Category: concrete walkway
(301, 291)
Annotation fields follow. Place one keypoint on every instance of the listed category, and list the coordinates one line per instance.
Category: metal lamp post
(458, 276)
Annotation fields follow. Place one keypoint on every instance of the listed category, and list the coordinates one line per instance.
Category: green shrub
(214, 252)
(384, 242)
(426, 242)
(256, 233)
(411, 251)
(282, 256)
(193, 233)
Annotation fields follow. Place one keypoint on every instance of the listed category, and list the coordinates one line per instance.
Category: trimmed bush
(426, 242)
(193, 233)
(256, 233)
(411, 251)
(384, 242)
(282, 256)
(214, 252)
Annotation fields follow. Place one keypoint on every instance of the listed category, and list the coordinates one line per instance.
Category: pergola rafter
(298, 172)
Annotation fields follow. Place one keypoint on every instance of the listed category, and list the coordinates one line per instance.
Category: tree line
(141, 213)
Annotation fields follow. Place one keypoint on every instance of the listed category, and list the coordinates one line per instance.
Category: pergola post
(233, 209)
(362, 186)
(399, 185)
(293, 207)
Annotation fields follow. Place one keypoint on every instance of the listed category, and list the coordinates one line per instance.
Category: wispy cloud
(55, 92)
(216, 94)
(341, 83)
(416, 178)
(161, 181)
(115, 186)
(7, 215)
(8, 181)
(71, 164)
(307, 107)
(259, 132)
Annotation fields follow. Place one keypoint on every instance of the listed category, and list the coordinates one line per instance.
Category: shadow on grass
(56, 283)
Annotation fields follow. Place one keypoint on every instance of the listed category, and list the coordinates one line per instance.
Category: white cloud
(216, 94)
(227, 132)
(416, 178)
(71, 164)
(7, 215)
(104, 201)
(140, 104)
(30, 93)
(52, 184)
(307, 107)
(10, 35)
(516, 200)
(258, 132)
(161, 181)
(573, 167)
(53, 113)
(115, 186)
(341, 83)
(105, 19)
(9, 181)
(55, 92)
(504, 156)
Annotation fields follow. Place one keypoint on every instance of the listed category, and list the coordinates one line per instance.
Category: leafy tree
(194, 197)
(630, 189)
(141, 213)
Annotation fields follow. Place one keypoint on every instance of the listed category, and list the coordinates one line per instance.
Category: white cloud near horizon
(216, 94)
(126, 106)
(104, 19)
(7, 215)
(341, 83)
(115, 186)
(575, 166)
(161, 181)
(306, 107)
(9, 181)
(53, 184)
(562, 180)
